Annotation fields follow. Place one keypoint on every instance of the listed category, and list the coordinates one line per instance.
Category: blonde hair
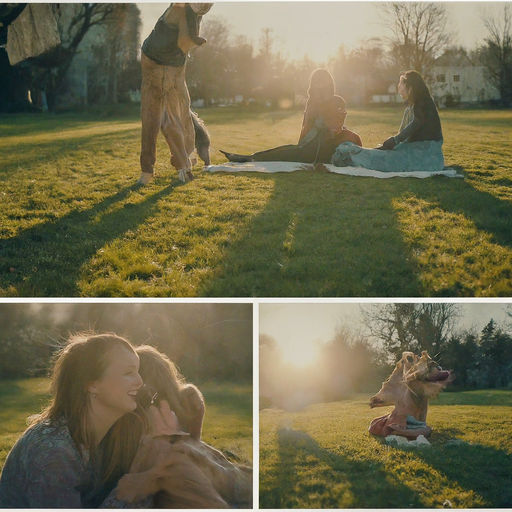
(158, 371)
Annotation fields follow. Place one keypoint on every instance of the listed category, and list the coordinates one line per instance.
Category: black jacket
(425, 124)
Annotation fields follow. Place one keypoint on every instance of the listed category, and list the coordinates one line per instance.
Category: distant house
(457, 79)
(391, 95)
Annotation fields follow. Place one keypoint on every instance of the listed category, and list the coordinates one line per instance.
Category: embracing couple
(324, 138)
(106, 440)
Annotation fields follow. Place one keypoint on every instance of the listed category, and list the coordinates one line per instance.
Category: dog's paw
(185, 175)
(145, 178)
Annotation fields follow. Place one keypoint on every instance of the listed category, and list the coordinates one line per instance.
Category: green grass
(227, 424)
(323, 456)
(228, 419)
(73, 223)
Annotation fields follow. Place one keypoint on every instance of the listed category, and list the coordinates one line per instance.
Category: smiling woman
(57, 463)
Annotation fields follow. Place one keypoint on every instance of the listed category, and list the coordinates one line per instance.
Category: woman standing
(417, 146)
(323, 128)
(69, 456)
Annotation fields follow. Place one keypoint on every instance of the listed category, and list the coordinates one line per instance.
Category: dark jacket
(425, 124)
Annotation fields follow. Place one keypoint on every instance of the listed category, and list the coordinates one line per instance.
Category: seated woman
(417, 146)
(173, 463)
(323, 128)
(67, 457)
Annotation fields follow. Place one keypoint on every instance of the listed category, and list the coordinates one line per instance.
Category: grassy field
(73, 223)
(323, 457)
(227, 424)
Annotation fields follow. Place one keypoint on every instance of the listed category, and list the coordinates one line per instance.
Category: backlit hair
(158, 371)
(83, 360)
(419, 89)
(321, 79)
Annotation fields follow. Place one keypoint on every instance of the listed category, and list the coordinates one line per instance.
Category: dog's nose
(374, 401)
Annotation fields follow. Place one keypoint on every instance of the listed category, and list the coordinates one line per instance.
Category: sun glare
(299, 353)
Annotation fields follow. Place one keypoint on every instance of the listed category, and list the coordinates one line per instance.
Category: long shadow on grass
(309, 476)
(328, 235)
(320, 234)
(482, 469)
(45, 261)
(489, 213)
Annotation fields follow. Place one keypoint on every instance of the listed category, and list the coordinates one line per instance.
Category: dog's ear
(193, 402)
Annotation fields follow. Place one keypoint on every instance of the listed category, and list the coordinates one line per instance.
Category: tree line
(209, 342)
(419, 33)
(359, 358)
(230, 65)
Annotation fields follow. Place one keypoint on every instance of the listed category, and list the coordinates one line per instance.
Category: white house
(459, 80)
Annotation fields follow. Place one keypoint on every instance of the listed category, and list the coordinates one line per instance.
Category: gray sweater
(45, 469)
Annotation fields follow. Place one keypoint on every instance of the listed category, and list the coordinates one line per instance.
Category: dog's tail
(202, 138)
(200, 127)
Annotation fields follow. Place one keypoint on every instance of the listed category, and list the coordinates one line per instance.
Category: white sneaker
(145, 178)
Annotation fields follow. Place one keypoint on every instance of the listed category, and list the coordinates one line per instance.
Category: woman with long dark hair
(71, 455)
(418, 144)
(323, 128)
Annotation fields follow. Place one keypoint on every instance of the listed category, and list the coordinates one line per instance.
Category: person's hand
(389, 143)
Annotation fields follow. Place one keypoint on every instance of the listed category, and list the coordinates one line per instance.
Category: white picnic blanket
(271, 167)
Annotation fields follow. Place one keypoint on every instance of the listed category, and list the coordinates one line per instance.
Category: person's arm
(418, 118)
(416, 123)
(309, 120)
(54, 477)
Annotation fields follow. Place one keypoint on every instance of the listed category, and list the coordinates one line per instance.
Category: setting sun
(299, 350)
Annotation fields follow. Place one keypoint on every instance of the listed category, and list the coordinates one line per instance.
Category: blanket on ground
(271, 167)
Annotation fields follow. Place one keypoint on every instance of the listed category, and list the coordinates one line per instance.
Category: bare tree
(420, 32)
(74, 21)
(411, 326)
(497, 51)
(115, 53)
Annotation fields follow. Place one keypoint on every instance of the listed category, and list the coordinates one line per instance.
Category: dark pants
(318, 150)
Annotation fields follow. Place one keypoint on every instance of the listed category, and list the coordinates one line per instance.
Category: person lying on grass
(417, 146)
(323, 128)
(413, 382)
